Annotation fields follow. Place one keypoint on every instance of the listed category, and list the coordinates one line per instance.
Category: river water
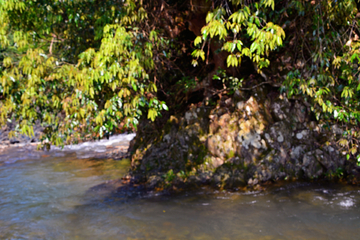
(49, 196)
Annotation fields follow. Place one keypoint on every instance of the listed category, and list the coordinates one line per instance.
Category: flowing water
(49, 196)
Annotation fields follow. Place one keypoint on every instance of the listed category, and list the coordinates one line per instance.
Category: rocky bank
(244, 139)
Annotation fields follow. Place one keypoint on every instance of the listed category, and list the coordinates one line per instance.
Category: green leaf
(152, 113)
(134, 86)
(232, 60)
(239, 45)
(197, 41)
(165, 107)
(253, 47)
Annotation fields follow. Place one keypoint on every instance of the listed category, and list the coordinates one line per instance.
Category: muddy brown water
(48, 197)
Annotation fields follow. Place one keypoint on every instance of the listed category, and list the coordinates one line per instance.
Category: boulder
(240, 141)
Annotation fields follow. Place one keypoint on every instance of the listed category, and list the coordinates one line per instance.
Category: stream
(47, 195)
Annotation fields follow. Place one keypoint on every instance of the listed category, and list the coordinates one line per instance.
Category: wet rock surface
(242, 140)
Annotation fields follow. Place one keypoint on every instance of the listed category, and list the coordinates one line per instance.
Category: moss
(202, 153)
(207, 165)
(231, 154)
(147, 167)
(233, 127)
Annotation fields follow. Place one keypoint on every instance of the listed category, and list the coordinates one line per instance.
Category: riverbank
(116, 147)
(19, 139)
(245, 139)
(243, 142)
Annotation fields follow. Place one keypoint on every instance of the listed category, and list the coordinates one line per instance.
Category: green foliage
(84, 67)
(43, 77)
(231, 82)
(169, 177)
(186, 84)
(327, 73)
(323, 46)
(244, 33)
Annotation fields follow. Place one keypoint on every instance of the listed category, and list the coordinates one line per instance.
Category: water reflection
(53, 197)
